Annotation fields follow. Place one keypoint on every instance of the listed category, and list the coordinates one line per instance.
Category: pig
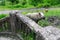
(36, 16)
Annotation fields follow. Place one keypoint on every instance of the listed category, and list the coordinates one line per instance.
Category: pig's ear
(39, 13)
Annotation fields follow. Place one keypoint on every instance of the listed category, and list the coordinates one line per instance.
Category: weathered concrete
(46, 33)
(50, 33)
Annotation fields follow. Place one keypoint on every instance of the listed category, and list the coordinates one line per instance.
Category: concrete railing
(29, 29)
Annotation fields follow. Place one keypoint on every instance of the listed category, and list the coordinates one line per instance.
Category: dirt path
(24, 10)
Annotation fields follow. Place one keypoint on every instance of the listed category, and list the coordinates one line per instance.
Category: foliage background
(29, 3)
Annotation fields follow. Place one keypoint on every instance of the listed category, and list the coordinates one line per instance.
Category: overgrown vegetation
(18, 4)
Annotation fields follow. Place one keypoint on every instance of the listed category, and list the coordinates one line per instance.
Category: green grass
(53, 12)
(43, 23)
(3, 15)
